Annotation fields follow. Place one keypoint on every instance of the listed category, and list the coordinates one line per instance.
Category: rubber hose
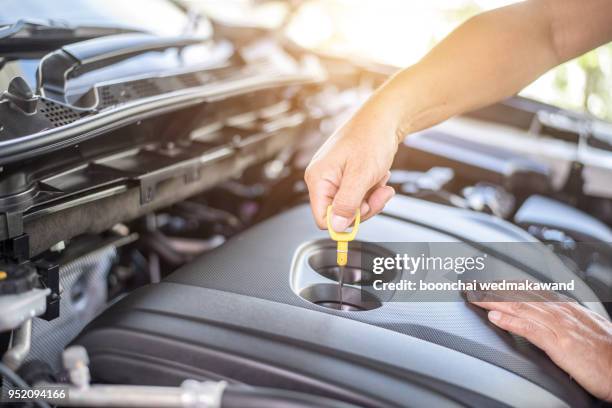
(17, 381)
(237, 396)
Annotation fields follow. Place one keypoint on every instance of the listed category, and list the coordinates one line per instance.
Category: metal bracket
(49, 277)
(16, 249)
(14, 224)
(189, 170)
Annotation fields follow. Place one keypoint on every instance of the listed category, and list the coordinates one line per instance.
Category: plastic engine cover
(234, 314)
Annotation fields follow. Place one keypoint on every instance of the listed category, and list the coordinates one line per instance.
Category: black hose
(237, 396)
(17, 381)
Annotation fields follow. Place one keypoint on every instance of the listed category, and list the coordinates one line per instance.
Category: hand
(575, 338)
(351, 169)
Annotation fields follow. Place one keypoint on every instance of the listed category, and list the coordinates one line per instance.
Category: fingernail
(494, 315)
(365, 209)
(339, 223)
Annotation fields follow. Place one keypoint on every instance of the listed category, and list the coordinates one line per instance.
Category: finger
(527, 310)
(365, 206)
(364, 210)
(385, 179)
(348, 199)
(321, 193)
(514, 303)
(538, 334)
(378, 199)
(548, 303)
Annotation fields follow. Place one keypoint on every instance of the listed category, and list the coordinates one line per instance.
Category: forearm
(488, 58)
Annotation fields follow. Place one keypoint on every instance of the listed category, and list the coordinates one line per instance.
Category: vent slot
(58, 115)
(115, 94)
(143, 88)
(107, 98)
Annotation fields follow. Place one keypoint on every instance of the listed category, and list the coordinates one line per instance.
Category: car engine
(153, 213)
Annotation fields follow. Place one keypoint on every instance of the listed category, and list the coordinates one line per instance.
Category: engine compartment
(245, 313)
(161, 222)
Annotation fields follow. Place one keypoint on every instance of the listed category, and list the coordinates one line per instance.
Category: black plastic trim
(92, 126)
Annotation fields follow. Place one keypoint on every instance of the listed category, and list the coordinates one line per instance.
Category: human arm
(488, 58)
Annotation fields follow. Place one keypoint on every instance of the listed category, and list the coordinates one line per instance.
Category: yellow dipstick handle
(342, 238)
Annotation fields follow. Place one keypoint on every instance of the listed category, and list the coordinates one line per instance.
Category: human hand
(351, 169)
(575, 338)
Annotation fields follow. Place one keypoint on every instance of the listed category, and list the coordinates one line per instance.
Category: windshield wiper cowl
(76, 59)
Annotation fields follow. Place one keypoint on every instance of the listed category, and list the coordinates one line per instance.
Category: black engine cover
(233, 314)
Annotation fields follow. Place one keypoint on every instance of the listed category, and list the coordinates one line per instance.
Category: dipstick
(342, 238)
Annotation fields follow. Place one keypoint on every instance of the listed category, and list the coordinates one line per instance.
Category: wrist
(399, 97)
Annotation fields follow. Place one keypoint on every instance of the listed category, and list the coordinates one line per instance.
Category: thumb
(348, 199)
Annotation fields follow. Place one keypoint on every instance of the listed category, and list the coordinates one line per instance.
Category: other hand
(575, 338)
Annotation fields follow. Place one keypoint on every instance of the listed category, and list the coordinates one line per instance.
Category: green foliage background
(583, 84)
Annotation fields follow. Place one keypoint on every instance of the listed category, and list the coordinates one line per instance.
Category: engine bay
(159, 222)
